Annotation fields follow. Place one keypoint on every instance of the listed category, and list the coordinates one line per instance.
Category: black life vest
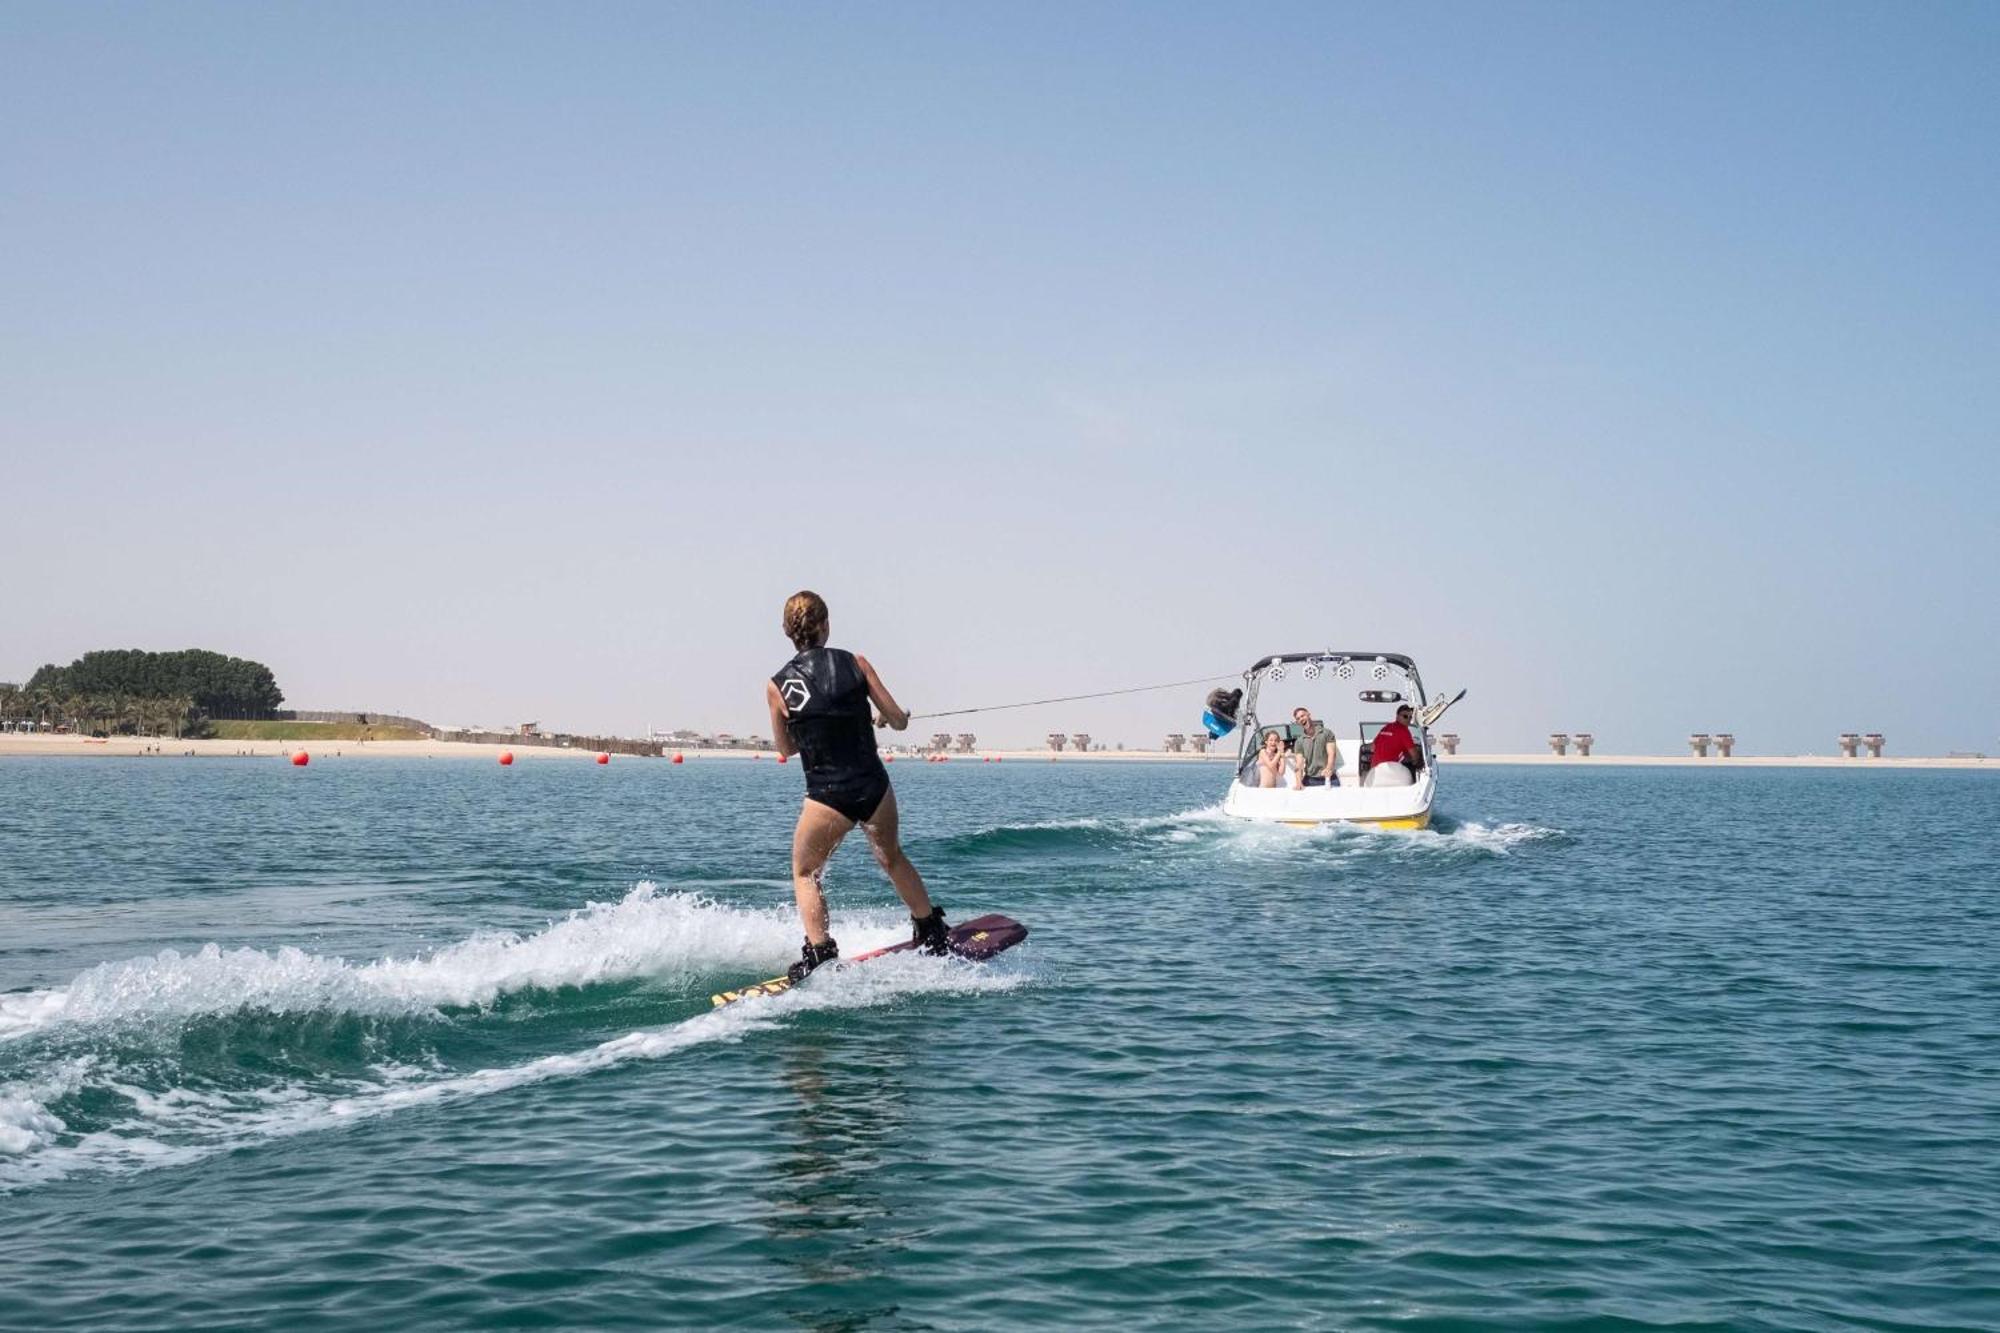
(829, 717)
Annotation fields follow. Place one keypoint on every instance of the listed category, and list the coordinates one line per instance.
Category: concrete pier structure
(1849, 743)
(1559, 742)
(1175, 742)
(1584, 740)
(1724, 743)
(1057, 740)
(1081, 741)
(1449, 741)
(1873, 740)
(1698, 742)
(1199, 744)
(965, 743)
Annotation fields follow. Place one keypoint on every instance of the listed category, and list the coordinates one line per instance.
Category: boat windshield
(1353, 696)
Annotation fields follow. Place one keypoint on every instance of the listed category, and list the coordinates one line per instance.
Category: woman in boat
(1271, 762)
(820, 711)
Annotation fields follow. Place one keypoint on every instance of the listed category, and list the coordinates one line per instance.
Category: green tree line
(111, 713)
(218, 685)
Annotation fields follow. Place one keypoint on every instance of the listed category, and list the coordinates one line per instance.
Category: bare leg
(820, 830)
(883, 828)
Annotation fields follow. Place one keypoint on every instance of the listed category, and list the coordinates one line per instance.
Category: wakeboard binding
(812, 957)
(930, 933)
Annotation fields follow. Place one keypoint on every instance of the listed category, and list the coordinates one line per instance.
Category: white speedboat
(1354, 695)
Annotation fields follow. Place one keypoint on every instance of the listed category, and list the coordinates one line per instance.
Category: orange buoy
(506, 757)
(677, 756)
(603, 757)
(301, 759)
(781, 759)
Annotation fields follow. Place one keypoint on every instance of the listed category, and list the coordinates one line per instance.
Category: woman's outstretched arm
(889, 713)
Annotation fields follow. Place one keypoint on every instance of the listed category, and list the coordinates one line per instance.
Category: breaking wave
(89, 1101)
(647, 934)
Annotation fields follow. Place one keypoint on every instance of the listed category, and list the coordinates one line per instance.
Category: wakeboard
(978, 940)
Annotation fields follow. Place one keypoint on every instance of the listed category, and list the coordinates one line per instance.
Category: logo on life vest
(795, 694)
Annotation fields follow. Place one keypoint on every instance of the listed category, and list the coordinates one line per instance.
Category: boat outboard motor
(1220, 719)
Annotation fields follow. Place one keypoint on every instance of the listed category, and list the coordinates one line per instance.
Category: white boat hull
(1406, 807)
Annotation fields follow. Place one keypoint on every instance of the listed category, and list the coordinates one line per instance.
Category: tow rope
(1072, 698)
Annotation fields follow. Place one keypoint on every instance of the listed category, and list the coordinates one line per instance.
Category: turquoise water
(383, 1044)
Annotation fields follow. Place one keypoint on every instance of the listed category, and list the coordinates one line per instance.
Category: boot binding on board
(929, 933)
(812, 956)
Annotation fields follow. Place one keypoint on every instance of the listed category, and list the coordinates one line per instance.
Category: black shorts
(857, 799)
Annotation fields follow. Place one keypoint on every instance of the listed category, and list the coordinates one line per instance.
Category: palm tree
(12, 701)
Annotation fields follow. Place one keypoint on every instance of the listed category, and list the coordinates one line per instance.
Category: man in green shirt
(1315, 752)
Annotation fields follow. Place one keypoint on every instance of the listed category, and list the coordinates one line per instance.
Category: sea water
(402, 1044)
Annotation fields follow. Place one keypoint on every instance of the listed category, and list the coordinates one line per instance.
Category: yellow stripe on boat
(1411, 822)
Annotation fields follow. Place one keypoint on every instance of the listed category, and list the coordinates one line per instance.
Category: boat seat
(1389, 775)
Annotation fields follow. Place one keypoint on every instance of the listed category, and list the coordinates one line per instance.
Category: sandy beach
(1735, 761)
(78, 747)
(1538, 760)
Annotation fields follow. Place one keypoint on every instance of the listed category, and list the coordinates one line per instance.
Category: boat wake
(130, 1066)
(1207, 828)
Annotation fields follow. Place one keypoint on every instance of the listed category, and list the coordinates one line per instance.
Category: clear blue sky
(1634, 367)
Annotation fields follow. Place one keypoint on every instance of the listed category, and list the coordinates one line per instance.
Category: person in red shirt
(1395, 745)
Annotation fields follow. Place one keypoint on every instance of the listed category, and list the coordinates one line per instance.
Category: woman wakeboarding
(820, 710)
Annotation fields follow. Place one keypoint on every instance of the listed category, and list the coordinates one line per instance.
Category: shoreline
(79, 747)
